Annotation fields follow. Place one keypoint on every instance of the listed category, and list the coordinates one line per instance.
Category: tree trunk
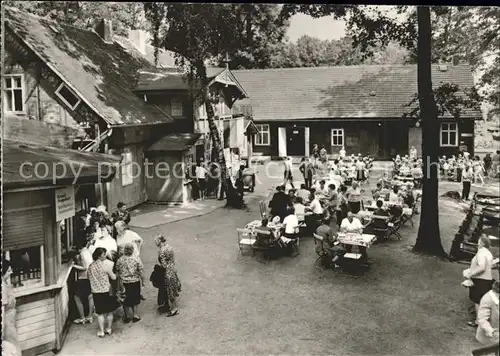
(233, 199)
(429, 238)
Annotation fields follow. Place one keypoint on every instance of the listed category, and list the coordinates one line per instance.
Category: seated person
(317, 212)
(290, 230)
(394, 196)
(376, 191)
(264, 240)
(408, 197)
(303, 193)
(351, 224)
(299, 207)
(379, 223)
(292, 194)
(321, 189)
(280, 203)
(330, 242)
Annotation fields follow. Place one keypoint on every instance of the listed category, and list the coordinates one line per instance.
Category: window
(176, 107)
(337, 137)
(126, 166)
(14, 93)
(68, 96)
(27, 266)
(449, 134)
(263, 138)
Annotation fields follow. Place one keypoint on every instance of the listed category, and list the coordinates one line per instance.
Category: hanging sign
(65, 203)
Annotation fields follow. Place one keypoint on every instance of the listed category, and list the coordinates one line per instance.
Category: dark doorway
(395, 139)
(295, 141)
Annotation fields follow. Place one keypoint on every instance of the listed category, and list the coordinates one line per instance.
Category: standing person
(130, 274)
(307, 169)
(360, 170)
(10, 340)
(315, 151)
(171, 287)
(280, 203)
(323, 154)
(288, 177)
(495, 164)
(354, 198)
(487, 319)
(478, 170)
(100, 272)
(413, 153)
(342, 153)
(487, 164)
(126, 236)
(121, 214)
(239, 180)
(480, 272)
(103, 239)
(201, 177)
(83, 294)
(467, 175)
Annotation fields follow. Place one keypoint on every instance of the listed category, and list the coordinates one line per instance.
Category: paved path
(151, 215)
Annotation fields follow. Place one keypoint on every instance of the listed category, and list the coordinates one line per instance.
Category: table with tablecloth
(359, 242)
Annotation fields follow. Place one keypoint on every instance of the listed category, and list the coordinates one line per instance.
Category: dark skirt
(104, 303)
(479, 289)
(354, 207)
(132, 294)
(360, 175)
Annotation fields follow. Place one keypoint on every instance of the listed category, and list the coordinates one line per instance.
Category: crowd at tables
(330, 207)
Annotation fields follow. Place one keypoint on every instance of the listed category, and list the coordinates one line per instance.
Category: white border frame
(57, 92)
(343, 137)
(263, 131)
(23, 91)
(449, 133)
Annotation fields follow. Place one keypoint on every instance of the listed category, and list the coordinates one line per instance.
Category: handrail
(486, 350)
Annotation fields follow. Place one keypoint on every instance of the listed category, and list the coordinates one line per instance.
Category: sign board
(467, 135)
(65, 203)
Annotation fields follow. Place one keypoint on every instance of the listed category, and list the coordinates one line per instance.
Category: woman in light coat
(487, 317)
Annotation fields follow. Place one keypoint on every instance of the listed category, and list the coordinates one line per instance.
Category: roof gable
(102, 74)
(371, 91)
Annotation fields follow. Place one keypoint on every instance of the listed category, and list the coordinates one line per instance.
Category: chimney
(104, 29)
(139, 39)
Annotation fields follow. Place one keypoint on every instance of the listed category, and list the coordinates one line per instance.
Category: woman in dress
(99, 273)
(10, 341)
(130, 273)
(354, 198)
(480, 272)
(172, 286)
(487, 317)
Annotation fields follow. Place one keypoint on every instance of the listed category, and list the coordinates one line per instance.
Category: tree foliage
(124, 15)
(309, 51)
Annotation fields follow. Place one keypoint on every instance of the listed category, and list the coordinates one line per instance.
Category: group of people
(110, 272)
(484, 293)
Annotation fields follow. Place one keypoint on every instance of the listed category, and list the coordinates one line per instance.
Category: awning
(174, 142)
(29, 165)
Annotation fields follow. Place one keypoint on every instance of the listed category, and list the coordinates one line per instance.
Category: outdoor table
(364, 215)
(358, 241)
(387, 205)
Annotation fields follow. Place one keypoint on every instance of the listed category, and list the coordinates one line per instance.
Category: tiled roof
(104, 74)
(151, 79)
(175, 142)
(371, 91)
(62, 164)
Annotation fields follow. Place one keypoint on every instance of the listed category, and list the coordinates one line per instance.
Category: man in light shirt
(126, 236)
(313, 220)
(201, 176)
(290, 231)
(288, 177)
(351, 224)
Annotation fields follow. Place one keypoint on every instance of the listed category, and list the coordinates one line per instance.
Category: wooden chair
(266, 247)
(322, 254)
(263, 209)
(383, 232)
(246, 240)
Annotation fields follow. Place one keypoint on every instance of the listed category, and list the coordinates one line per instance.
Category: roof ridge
(343, 66)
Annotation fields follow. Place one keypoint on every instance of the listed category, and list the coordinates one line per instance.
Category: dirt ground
(231, 304)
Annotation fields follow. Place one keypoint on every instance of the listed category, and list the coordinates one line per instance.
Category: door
(295, 141)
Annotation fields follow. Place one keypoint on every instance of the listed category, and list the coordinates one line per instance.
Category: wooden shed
(166, 162)
(38, 194)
